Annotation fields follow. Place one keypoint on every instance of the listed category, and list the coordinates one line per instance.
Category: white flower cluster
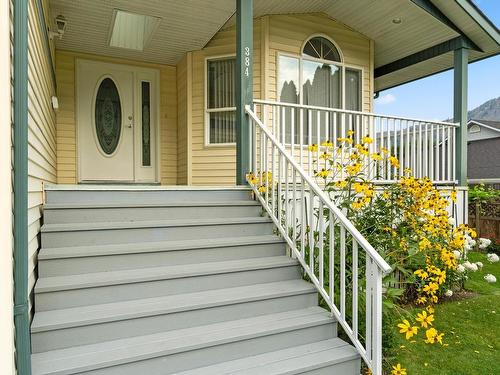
(490, 278)
(492, 257)
(457, 254)
(484, 243)
(448, 293)
(469, 243)
(470, 266)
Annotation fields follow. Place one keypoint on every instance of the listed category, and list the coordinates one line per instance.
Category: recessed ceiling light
(132, 30)
(396, 21)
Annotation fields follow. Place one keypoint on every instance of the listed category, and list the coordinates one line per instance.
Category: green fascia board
(481, 19)
(426, 54)
(432, 74)
(21, 313)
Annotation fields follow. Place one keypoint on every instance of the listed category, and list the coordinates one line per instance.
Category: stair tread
(147, 247)
(64, 227)
(95, 314)
(287, 361)
(109, 353)
(57, 206)
(89, 280)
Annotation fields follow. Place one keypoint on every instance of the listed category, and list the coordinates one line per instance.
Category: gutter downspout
(21, 313)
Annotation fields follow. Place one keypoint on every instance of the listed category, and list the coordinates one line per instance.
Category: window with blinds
(221, 110)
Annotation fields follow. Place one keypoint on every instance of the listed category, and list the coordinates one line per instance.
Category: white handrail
(281, 181)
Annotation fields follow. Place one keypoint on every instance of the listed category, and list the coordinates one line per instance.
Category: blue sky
(432, 97)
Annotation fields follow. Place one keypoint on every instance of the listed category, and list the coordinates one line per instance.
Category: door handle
(130, 118)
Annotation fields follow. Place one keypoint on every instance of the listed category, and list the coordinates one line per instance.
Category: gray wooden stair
(166, 281)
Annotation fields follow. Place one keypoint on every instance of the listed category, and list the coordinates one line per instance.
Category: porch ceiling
(189, 24)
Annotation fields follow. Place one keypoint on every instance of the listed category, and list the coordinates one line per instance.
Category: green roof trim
(426, 54)
(481, 19)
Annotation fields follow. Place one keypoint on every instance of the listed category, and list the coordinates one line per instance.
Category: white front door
(116, 123)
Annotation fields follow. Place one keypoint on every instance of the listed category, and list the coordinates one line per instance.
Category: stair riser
(73, 266)
(125, 292)
(174, 363)
(134, 235)
(349, 367)
(92, 215)
(144, 196)
(64, 338)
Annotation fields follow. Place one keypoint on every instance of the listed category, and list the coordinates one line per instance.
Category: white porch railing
(324, 241)
(425, 147)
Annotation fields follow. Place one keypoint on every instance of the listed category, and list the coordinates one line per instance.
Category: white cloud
(386, 99)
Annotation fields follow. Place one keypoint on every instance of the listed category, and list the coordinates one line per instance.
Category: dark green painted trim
(21, 313)
(481, 19)
(244, 86)
(460, 87)
(426, 54)
(43, 24)
(433, 74)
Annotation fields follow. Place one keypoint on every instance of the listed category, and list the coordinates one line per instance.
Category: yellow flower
(421, 300)
(252, 179)
(367, 140)
(262, 189)
(422, 274)
(341, 184)
(433, 336)
(325, 155)
(453, 196)
(384, 150)
(430, 309)
(398, 370)
(353, 169)
(424, 244)
(350, 133)
(313, 147)
(323, 173)
(430, 288)
(394, 161)
(408, 329)
(424, 319)
(327, 143)
(376, 156)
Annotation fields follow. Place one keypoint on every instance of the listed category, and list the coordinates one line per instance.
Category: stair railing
(346, 270)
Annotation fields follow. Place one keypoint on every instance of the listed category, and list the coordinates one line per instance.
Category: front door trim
(141, 174)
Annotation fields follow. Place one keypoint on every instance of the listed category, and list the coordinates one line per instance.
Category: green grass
(472, 332)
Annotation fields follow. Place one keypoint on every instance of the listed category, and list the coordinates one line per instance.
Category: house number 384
(247, 61)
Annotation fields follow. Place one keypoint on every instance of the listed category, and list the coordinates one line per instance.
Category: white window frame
(206, 110)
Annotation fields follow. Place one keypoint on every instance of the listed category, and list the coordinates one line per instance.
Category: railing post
(244, 86)
(460, 112)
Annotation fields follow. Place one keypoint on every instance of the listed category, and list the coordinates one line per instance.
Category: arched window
(321, 48)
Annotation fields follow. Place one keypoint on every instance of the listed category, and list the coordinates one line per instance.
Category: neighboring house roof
(483, 159)
(412, 38)
(493, 125)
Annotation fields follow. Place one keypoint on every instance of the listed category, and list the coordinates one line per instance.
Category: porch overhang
(413, 38)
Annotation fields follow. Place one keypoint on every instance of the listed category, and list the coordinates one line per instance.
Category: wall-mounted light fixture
(60, 22)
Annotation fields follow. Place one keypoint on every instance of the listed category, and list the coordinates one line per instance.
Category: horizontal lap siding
(215, 165)
(66, 116)
(42, 153)
(182, 122)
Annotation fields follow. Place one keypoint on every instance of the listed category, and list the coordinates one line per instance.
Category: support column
(244, 86)
(460, 112)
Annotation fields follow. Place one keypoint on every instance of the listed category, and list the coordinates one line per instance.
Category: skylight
(132, 30)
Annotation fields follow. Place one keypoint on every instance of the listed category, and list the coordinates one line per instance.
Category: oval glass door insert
(108, 116)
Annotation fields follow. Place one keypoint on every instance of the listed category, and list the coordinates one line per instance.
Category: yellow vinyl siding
(184, 100)
(66, 116)
(216, 165)
(41, 131)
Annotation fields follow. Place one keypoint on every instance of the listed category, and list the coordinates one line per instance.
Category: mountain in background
(489, 110)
